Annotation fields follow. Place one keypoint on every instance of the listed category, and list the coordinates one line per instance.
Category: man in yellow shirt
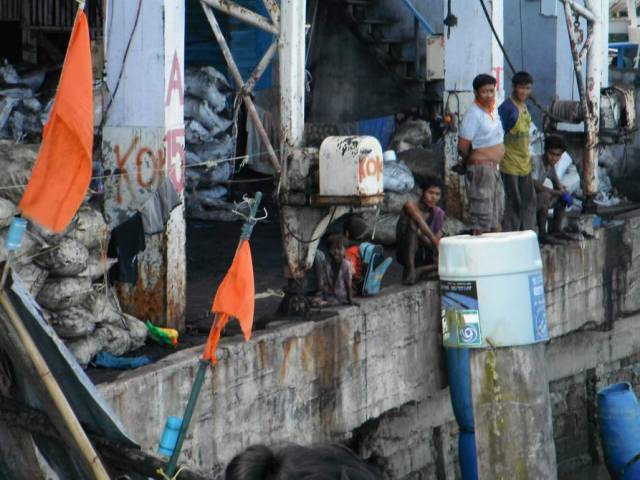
(520, 197)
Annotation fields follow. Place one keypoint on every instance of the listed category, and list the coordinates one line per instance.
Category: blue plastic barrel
(459, 370)
(619, 418)
(170, 436)
(467, 455)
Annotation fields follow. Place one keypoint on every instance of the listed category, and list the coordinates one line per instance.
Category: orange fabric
(353, 255)
(488, 107)
(61, 175)
(235, 298)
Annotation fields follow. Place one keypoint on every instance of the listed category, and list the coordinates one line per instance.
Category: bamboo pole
(54, 390)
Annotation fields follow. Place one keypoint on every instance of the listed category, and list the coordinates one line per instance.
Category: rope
(208, 164)
(302, 240)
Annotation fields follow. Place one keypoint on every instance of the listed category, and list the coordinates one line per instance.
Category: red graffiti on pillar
(126, 172)
(175, 81)
(497, 72)
(176, 166)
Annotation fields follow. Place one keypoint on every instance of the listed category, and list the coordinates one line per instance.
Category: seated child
(418, 233)
(556, 198)
(355, 231)
(367, 259)
(334, 274)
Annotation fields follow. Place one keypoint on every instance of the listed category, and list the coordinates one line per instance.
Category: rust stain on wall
(263, 354)
(287, 345)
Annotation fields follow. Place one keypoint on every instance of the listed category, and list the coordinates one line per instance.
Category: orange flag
(61, 175)
(235, 298)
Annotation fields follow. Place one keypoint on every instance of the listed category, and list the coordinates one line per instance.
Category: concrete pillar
(512, 414)
(143, 142)
(470, 49)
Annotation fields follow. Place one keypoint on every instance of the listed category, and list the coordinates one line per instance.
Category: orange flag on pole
(61, 175)
(235, 298)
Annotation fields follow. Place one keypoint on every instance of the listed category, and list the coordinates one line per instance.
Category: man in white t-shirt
(481, 147)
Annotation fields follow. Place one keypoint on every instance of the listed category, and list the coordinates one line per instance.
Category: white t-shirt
(481, 129)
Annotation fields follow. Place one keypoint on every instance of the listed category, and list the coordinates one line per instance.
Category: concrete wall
(374, 376)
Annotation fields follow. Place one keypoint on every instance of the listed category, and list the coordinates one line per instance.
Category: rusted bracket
(245, 89)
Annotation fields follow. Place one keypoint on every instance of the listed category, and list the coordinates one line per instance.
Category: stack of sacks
(209, 137)
(66, 273)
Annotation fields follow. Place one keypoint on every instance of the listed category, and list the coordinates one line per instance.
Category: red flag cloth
(235, 298)
(61, 175)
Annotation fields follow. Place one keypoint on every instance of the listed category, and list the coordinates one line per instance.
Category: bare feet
(409, 278)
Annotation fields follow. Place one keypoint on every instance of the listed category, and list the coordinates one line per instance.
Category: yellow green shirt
(517, 160)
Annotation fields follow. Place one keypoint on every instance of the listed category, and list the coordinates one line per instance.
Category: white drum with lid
(492, 290)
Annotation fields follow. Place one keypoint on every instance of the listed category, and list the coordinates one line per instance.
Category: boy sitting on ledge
(418, 233)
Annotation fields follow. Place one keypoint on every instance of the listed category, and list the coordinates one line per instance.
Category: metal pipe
(595, 62)
(274, 11)
(586, 12)
(261, 67)
(233, 68)
(419, 16)
(589, 182)
(244, 14)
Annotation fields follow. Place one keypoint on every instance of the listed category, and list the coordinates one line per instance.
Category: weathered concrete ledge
(374, 374)
(308, 382)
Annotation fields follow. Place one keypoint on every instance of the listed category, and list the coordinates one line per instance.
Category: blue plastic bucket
(170, 436)
(467, 455)
(459, 370)
(619, 419)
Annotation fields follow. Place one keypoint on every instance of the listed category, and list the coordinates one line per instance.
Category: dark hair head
(356, 228)
(522, 78)
(256, 462)
(554, 142)
(294, 462)
(335, 240)
(482, 80)
(431, 182)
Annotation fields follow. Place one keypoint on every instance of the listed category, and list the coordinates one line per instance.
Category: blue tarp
(382, 128)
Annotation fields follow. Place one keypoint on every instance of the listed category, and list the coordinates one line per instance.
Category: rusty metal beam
(591, 135)
(261, 67)
(274, 11)
(580, 9)
(235, 72)
(243, 14)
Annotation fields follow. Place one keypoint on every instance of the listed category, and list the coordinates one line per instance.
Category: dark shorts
(486, 197)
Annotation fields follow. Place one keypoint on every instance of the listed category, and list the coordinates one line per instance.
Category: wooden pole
(59, 400)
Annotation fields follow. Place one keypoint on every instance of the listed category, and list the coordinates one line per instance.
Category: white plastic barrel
(351, 167)
(492, 290)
